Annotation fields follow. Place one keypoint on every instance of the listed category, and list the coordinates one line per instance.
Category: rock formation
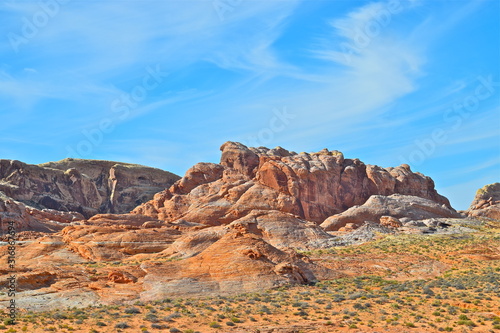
(386, 209)
(84, 186)
(486, 202)
(31, 219)
(311, 187)
(236, 263)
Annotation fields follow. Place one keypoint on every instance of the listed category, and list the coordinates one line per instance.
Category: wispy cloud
(372, 75)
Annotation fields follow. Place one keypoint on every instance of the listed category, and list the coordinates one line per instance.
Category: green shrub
(214, 324)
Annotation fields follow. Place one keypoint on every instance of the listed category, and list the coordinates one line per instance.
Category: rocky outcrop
(106, 239)
(235, 264)
(311, 187)
(26, 218)
(387, 210)
(84, 186)
(486, 203)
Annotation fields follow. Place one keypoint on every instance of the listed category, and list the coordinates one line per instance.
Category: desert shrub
(58, 315)
(152, 318)
(301, 313)
(158, 326)
(338, 298)
(132, 310)
(122, 325)
(358, 306)
(469, 323)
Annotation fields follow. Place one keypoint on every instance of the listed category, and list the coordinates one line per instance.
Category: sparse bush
(214, 324)
(58, 315)
(132, 310)
(152, 318)
(122, 325)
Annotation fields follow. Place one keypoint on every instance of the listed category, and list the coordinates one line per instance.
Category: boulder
(386, 209)
(486, 203)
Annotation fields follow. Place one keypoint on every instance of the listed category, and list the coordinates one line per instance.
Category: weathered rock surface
(105, 243)
(398, 206)
(311, 187)
(31, 219)
(85, 186)
(486, 202)
(236, 263)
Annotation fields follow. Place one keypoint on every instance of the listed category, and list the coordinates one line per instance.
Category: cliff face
(310, 186)
(88, 187)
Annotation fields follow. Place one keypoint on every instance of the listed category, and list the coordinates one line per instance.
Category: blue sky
(165, 83)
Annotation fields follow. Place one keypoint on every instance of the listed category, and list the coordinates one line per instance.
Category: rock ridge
(310, 186)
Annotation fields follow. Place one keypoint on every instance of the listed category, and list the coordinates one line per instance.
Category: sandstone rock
(121, 277)
(309, 186)
(390, 222)
(116, 242)
(282, 230)
(486, 203)
(35, 280)
(133, 220)
(85, 186)
(193, 243)
(240, 158)
(365, 233)
(30, 219)
(236, 263)
(395, 206)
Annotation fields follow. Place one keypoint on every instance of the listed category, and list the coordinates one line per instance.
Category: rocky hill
(312, 187)
(242, 225)
(79, 188)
